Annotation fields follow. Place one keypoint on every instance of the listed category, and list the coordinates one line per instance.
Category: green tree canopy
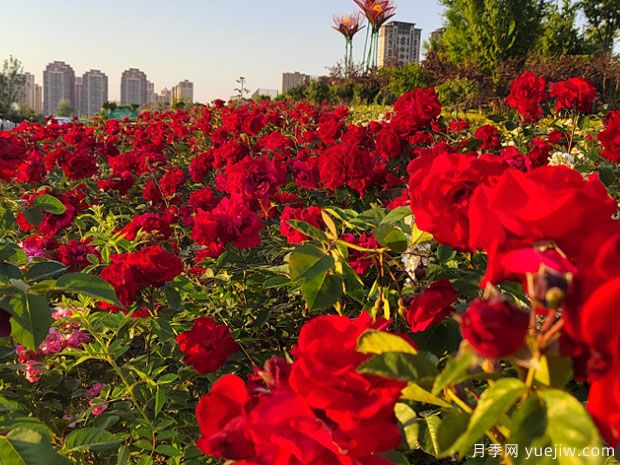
(64, 108)
(560, 36)
(12, 80)
(603, 19)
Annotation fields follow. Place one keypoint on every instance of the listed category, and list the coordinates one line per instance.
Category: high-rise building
(399, 44)
(31, 94)
(291, 80)
(94, 92)
(77, 109)
(183, 92)
(437, 34)
(134, 87)
(164, 98)
(58, 84)
(151, 96)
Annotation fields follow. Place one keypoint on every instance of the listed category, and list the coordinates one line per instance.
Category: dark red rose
(440, 189)
(306, 171)
(539, 152)
(13, 152)
(527, 93)
(330, 130)
(574, 94)
(75, 254)
(123, 279)
(310, 215)
(151, 224)
(346, 166)
(389, 144)
(207, 345)
(361, 261)
(550, 203)
(490, 136)
(415, 110)
(201, 166)
(170, 182)
(78, 164)
(432, 306)
(494, 328)
(610, 136)
(154, 265)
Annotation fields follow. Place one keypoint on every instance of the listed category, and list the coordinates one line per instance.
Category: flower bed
(272, 284)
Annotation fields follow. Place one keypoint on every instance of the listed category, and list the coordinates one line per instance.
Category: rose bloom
(604, 406)
(432, 306)
(415, 110)
(254, 178)
(490, 136)
(494, 328)
(527, 92)
(154, 265)
(310, 215)
(207, 345)
(610, 136)
(550, 203)
(574, 94)
(440, 189)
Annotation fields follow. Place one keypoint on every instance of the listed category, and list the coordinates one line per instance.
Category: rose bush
(274, 283)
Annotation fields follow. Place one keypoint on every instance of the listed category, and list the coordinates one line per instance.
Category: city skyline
(202, 43)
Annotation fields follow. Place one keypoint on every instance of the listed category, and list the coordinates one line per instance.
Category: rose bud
(495, 328)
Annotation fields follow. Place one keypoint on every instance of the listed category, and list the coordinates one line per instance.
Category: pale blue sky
(209, 42)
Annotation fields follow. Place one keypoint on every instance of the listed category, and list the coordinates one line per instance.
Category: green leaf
(95, 439)
(428, 434)
(397, 215)
(529, 430)
(408, 422)
(380, 342)
(43, 270)
(418, 394)
(322, 291)
(452, 427)
(308, 262)
(554, 371)
(31, 319)
(397, 365)
(23, 446)
(454, 371)
(445, 253)
(88, 284)
(308, 230)
(418, 236)
(391, 237)
(570, 425)
(49, 204)
(160, 400)
(493, 403)
(32, 214)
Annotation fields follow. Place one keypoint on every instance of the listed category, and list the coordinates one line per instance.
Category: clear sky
(209, 42)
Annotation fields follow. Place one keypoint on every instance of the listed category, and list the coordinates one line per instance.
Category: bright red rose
(123, 279)
(527, 93)
(305, 170)
(346, 166)
(207, 345)
(490, 136)
(432, 306)
(440, 189)
(78, 164)
(495, 328)
(574, 94)
(222, 420)
(610, 136)
(310, 215)
(151, 224)
(550, 203)
(13, 152)
(170, 182)
(604, 406)
(154, 265)
(389, 144)
(325, 376)
(330, 130)
(254, 178)
(415, 110)
(361, 261)
(201, 166)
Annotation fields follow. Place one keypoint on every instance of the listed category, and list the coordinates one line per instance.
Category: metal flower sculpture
(348, 26)
(377, 12)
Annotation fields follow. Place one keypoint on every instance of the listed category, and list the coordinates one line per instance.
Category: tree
(12, 80)
(560, 36)
(486, 32)
(64, 108)
(241, 91)
(603, 23)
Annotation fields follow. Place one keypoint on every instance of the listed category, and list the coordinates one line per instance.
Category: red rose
(306, 171)
(222, 420)
(13, 151)
(253, 178)
(330, 130)
(527, 92)
(78, 164)
(75, 254)
(154, 265)
(604, 406)
(310, 215)
(325, 376)
(610, 136)
(170, 182)
(490, 136)
(207, 345)
(123, 279)
(346, 165)
(573, 94)
(415, 110)
(494, 328)
(361, 261)
(432, 306)
(389, 144)
(440, 189)
(550, 203)
(152, 224)
(200, 167)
